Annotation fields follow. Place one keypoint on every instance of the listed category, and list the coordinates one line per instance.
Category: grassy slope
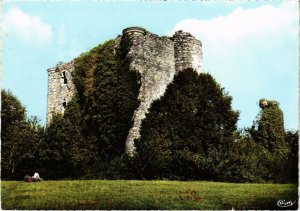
(101, 194)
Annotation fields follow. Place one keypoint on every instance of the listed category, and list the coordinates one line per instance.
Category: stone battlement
(134, 30)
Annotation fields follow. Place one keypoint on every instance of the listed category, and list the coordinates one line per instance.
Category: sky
(250, 47)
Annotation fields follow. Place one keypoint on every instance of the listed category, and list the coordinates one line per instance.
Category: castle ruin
(157, 60)
(60, 88)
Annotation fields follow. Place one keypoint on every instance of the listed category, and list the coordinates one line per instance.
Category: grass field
(119, 194)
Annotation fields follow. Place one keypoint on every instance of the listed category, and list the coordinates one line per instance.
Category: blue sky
(250, 47)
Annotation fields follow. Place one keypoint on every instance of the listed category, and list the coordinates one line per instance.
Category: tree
(19, 138)
(268, 132)
(291, 165)
(89, 139)
(244, 163)
(65, 152)
(108, 94)
(188, 132)
(268, 129)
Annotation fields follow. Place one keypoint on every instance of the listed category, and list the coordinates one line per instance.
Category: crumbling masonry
(156, 59)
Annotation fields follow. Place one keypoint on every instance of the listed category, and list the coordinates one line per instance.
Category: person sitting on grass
(36, 177)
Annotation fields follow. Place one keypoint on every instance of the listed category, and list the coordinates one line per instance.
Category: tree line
(190, 133)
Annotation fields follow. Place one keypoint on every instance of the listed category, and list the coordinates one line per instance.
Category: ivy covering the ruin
(189, 133)
(103, 106)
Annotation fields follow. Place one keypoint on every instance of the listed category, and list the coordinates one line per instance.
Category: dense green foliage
(291, 170)
(19, 138)
(244, 163)
(89, 140)
(265, 152)
(65, 152)
(188, 133)
(268, 129)
(268, 132)
(108, 112)
(144, 195)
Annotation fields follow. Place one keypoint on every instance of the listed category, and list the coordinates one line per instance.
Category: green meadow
(132, 194)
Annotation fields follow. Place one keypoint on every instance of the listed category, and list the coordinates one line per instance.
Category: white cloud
(29, 28)
(253, 53)
(241, 35)
(243, 23)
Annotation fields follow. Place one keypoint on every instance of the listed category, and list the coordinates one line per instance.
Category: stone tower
(60, 88)
(188, 51)
(157, 60)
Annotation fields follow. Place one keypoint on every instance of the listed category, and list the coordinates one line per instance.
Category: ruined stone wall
(60, 88)
(153, 58)
(188, 51)
(156, 59)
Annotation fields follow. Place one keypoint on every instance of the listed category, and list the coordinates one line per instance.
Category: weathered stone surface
(60, 88)
(153, 58)
(156, 59)
(188, 52)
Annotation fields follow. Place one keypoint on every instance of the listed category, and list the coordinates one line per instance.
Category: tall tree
(65, 152)
(19, 138)
(268, 129)
(291, 165)
(187, 133)
(268, 132)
